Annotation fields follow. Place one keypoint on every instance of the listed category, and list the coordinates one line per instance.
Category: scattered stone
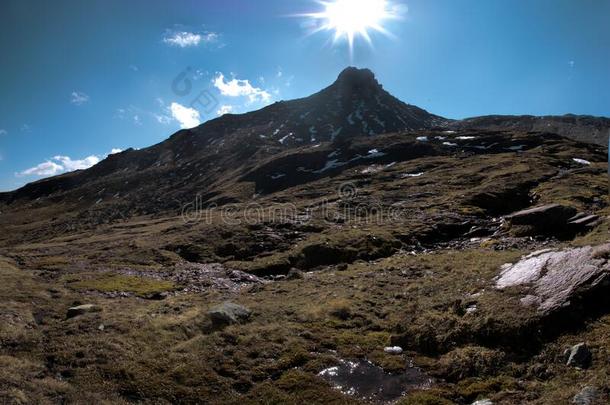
(393, 350)
(229, 313)
(81, 310)
(580, 356)
(471, 309)
(294, 274)
(587, 396)
(157, 296)
(555, 279)
(101, 327)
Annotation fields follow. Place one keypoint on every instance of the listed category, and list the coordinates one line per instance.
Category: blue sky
(80, 79)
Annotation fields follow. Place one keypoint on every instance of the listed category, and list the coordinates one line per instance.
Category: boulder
(294, 274)
(551, 219)
(579, 356)
(81, 310)
(587, 396)
(229, 313)
(555, 279)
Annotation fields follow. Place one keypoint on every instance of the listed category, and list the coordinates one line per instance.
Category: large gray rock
(229, 313)
(551, 279)
(551, 219)
(546, 219)
(81, 310)
(587, 396)
(579, 356)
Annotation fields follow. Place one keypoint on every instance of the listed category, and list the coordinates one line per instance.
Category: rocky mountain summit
(341, 248)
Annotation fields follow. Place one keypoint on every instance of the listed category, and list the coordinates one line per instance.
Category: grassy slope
(167, 351)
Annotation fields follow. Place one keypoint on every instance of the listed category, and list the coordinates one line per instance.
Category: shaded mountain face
(235, 157)
(354, 105)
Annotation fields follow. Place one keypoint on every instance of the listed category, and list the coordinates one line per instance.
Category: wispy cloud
(187, 117)
(3, 132)
(163, 119)
(79, 98)
(224, 109)
(240, 88)
(185, 39)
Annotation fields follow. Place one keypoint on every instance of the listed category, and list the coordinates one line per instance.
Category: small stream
(364, 380)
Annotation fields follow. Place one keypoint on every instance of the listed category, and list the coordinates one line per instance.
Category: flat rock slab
(547, 219)
(553, 278)
(542, 214)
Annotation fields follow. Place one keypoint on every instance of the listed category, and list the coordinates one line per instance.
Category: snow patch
(581, 161)
(283, 139)
(412, 175)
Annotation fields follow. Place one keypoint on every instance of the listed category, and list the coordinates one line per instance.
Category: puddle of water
(364, 380)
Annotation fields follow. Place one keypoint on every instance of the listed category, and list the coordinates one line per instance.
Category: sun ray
(350, 19)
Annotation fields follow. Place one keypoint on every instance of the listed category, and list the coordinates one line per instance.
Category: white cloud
(184, 39)
(137, 120)
(134, 68)
(187, 117)
(3, 132)
(71, 165)
(25, 128)
(62, 164)
(78, 98)
(240, 88)
(224, 109)
(47, 168)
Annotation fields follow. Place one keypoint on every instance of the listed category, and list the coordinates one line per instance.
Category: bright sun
(350, 18)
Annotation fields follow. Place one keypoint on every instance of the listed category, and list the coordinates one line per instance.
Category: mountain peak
(354, 80)
(356, 74)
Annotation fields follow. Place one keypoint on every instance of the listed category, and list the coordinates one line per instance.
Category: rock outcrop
(554, 279)
(550, 220)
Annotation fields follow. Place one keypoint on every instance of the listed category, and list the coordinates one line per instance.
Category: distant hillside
(583, 128)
